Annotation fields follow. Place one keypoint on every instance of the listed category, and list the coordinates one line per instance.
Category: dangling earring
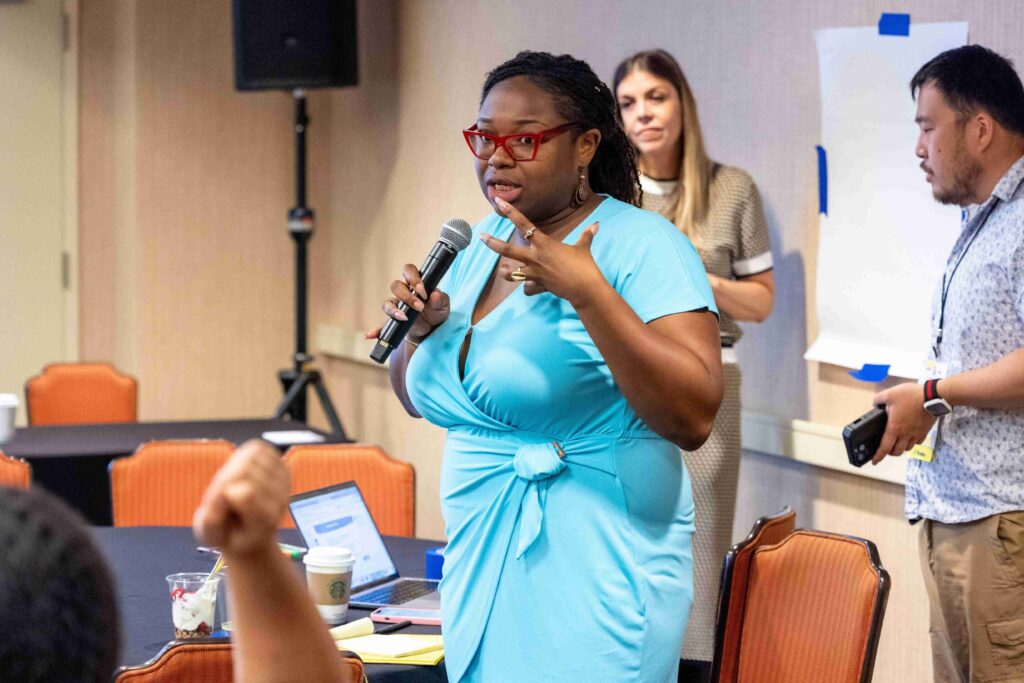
(580, 195)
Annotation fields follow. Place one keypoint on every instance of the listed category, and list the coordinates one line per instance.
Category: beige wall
(186, 271)
(186, 264)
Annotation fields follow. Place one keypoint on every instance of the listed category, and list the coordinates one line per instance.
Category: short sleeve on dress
(662, 273)
(754, 251)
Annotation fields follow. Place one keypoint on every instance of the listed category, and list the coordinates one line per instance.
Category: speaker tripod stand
(294, 380)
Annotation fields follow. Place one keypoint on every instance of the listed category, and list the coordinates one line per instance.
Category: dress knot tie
(534, 463)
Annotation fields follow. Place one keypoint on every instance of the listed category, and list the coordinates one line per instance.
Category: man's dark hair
(582, 97)
(58, 610)
(973, 78)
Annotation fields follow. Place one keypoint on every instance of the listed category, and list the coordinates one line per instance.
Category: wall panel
(187, 264)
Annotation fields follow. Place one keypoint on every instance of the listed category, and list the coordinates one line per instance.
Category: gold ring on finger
(518, 275)
(528, 234)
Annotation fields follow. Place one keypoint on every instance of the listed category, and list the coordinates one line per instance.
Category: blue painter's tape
(822, 181)
(894, 24)
(871, 373)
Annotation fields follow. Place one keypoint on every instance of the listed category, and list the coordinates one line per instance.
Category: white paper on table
(292, 437)
(883, 245)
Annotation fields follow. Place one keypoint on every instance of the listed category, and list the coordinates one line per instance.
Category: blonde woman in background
(719, 209)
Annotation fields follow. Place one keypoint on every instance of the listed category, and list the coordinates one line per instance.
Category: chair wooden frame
(54, 372)
(153, 671)
(767, 530)
(19, 470)
(170, 655)
(877, 611)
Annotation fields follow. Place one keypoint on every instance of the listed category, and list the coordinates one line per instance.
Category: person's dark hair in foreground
(58, 610)
(973, 77)
(580, 96)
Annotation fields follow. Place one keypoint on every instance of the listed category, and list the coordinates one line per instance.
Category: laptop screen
(338, 516)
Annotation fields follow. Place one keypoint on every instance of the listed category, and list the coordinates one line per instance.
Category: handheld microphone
(455, 236)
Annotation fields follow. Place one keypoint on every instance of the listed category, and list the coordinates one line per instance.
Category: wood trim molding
(813, 444)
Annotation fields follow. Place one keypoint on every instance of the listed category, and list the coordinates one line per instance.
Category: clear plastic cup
(193, 604)
(223, 614)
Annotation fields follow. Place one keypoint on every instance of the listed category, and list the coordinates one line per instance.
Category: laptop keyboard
(400, 592)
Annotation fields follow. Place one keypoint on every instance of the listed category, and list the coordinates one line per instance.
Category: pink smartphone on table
(394, 615)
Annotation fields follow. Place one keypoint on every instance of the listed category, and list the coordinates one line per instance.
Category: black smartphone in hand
(863, 436)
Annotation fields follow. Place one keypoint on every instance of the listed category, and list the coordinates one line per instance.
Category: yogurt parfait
(193, 604)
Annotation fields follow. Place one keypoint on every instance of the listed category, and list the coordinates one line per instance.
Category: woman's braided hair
(58, 611)
(580, 96)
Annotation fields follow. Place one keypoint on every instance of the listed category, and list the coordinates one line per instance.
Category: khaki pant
(974, 573)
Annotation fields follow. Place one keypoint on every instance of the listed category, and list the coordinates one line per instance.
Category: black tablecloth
(71, 461)
(141, 557)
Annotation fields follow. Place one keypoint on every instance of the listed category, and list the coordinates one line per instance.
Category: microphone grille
(457, 232)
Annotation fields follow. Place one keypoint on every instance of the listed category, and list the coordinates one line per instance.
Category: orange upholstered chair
(14, 472)
(163, 482)
(80, 393)
(388, 485)
(732, 595)
(203, 660)
(814, 608)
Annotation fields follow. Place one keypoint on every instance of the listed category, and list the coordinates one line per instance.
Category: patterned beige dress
(733, 243)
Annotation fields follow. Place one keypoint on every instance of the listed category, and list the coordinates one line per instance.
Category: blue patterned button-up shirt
(978, 469)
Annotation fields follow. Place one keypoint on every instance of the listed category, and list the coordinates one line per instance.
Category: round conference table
(140, 558)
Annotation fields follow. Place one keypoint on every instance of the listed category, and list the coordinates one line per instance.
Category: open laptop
(338, 516)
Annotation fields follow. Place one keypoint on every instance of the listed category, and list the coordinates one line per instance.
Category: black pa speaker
(289, 44)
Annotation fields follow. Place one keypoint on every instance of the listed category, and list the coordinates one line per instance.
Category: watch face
(938, 407)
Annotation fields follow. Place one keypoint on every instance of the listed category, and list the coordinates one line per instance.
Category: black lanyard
(948, 281)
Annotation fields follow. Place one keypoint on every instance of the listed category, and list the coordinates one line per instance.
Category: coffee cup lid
(9, 401)
(329, 555)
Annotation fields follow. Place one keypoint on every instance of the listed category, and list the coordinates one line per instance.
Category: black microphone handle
(433, 269)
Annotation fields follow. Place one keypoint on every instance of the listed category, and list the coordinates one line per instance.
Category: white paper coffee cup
(8, 408)
(329, 577)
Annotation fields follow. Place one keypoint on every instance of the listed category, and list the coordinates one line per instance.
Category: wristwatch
(933, 403)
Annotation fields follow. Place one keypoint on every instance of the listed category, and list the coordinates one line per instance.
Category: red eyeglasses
(519, 146)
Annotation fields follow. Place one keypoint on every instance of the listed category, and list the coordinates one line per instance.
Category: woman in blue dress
(568, 351)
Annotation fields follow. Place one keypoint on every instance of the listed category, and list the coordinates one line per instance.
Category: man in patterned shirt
(969, 488)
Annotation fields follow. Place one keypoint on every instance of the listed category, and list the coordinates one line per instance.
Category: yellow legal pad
(412, 648)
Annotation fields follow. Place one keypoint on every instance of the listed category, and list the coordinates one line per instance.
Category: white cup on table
(8, 407)
(329, 577)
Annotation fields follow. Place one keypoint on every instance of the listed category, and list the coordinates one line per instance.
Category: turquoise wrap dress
(574, 568)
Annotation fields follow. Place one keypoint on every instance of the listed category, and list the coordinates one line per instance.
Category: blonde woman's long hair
(695, 167)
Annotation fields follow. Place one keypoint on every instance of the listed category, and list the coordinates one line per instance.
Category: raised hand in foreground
(278, 633)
